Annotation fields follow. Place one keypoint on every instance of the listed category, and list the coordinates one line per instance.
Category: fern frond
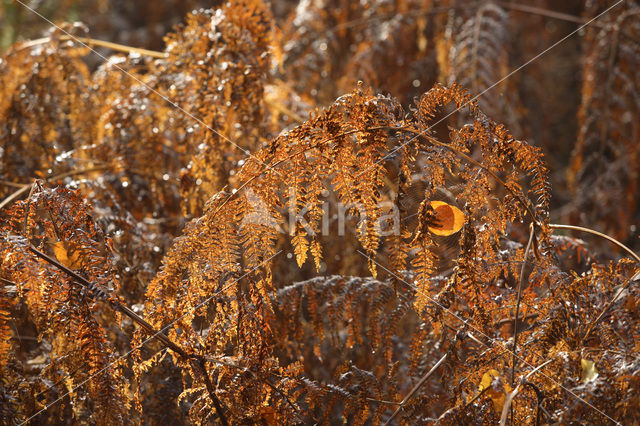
(604, 165)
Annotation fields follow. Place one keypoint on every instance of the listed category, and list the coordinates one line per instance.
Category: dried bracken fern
(606, 162)
(348, 150)
(42, 105)
(478, 60)
(59, 222)
(235, 230)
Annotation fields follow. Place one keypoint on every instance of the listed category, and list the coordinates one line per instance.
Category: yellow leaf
(497, 392)
(487, 378)
(589, 370)
(68, 254)
(449, 219)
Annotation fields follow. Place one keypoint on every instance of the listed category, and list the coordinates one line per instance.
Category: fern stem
(201, 365)
(599, 234)
(543, 12)
(101, 43)
(115, 304)
(198, 362)
(626, 284)
(28, 186)
(532, 234)
(416, 387)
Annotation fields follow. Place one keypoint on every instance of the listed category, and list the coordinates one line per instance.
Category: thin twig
(626, 284)
(532, 234)
(95, 42)
(28, 187)
(8, 282)
(543, 12)
(507, 404)
(382, 401)
(507, 320)
(599, 234)
(416, 387)
(14, 195)
(197, 361)
(27, 210)
(13, 184)
(475, 398)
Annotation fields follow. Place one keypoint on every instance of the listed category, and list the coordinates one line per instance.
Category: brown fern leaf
(350, 151)
(605, 163)
(478, 59)
(225, 55)
(62, 309)
(349, 318)
(41, 104)
(6, 304)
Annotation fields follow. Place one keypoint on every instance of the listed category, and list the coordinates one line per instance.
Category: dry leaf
(69, 254)
(449, 219)
(497, 392)
(589, 370)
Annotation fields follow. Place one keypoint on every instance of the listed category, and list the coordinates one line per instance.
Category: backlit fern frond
(219, 59)
(237, 230)
(347, 151)
(58, 222)
(42, 97)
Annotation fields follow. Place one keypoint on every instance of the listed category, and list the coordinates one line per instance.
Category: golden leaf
(589, 370)
(497, 393)
(69, 254)
(449, 219)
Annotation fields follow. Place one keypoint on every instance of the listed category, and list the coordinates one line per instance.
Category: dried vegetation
(150, 270)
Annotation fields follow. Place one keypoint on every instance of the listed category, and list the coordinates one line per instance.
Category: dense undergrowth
(324, 212)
